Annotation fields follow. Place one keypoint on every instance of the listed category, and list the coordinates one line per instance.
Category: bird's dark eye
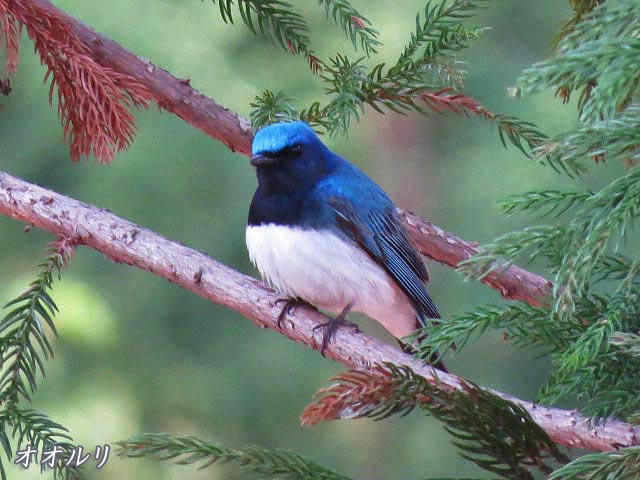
(288, 153)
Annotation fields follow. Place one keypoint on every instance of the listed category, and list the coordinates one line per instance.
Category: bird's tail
(435, 359)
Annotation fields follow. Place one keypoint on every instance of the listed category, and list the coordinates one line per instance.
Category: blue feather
(278, 136)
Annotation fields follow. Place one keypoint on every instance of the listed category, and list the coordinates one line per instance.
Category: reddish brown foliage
(94, 102)
(331, 402)
(443, 100)
(564, 93)
(357, 22)
(10, 31)
(315, 64)
(353, 394)
(291, 47)
(65, 246)
(5, 86)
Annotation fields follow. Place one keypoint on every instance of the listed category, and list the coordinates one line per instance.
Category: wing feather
(382, 236)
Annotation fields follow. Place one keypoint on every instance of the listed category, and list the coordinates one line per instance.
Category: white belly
(330, 273)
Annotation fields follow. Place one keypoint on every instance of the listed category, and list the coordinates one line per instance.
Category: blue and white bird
(321, 231)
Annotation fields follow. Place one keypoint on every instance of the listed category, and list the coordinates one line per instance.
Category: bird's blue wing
(375, 226)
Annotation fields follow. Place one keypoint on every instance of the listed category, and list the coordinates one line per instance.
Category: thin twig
(125, 242)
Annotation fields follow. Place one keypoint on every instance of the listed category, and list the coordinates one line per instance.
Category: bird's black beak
(262, 160)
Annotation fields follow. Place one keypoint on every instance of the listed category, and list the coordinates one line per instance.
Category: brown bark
(125, 242)
(514, 283)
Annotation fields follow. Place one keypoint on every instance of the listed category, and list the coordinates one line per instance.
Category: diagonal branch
(125, 242)
(514, 283)
(169, 92)
(177, 96)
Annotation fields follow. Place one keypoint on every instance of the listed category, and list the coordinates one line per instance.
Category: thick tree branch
(514, 283)
(176, 95)
(126, 242)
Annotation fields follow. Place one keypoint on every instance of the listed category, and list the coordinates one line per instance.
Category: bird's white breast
(328, 272)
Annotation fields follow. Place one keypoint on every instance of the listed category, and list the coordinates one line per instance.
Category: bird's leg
(331, 327)
(290, 304)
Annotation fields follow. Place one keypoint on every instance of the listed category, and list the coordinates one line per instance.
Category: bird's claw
(290, 305)
(331, 327)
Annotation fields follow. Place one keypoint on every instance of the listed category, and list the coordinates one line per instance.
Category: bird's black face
(296, 167)
(269, 158)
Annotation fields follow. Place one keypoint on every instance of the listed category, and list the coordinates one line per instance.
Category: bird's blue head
(288, 155)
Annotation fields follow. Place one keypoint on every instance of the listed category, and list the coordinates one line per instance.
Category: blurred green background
(138, 354)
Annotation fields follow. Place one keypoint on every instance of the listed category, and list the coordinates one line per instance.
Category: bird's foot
(331, 327)
(290, 305)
